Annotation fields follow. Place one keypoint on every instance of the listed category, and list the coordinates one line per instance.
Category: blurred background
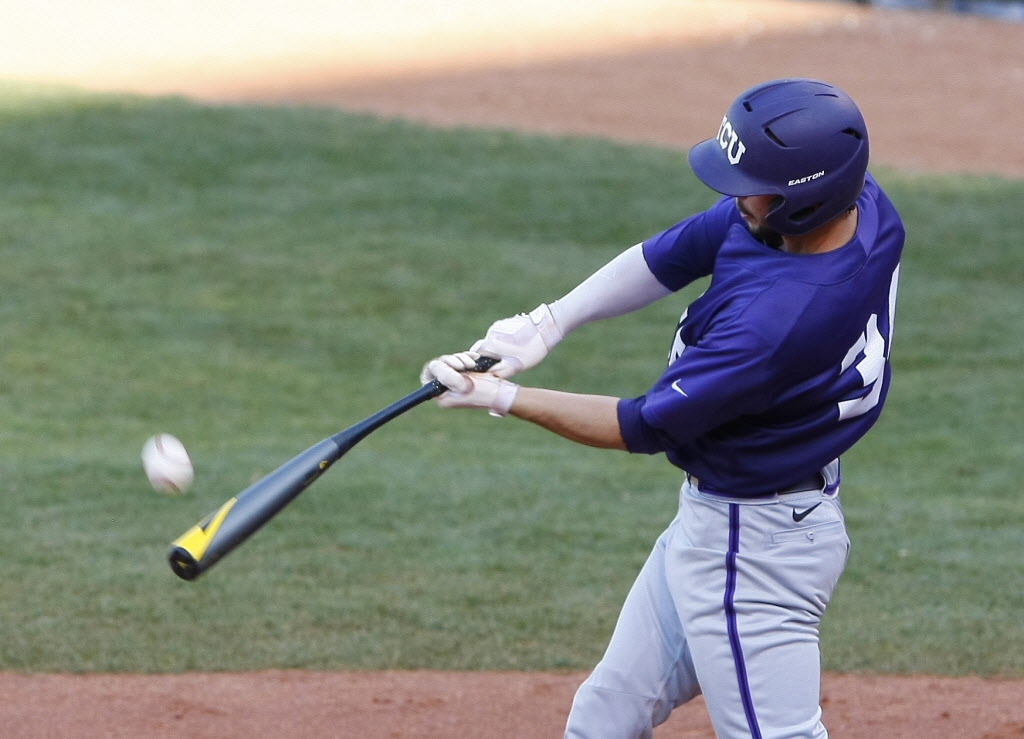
(1004, 9)
(929, 81)
(248, 223)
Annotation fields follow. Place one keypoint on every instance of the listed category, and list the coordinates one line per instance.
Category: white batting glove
(521, 341)
(487, 391)
(449, 370)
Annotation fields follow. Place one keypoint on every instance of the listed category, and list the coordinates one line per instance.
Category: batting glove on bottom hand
(487, 391)
(521, 341)
(469, 390)
(449, 370)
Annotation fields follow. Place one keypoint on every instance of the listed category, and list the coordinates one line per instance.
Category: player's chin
(765, 235)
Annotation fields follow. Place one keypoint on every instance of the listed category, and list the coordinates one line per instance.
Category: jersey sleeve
(686, 251)
(706, 387)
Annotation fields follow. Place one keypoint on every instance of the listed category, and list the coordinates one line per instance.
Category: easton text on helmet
(730, 141)
(808, 178)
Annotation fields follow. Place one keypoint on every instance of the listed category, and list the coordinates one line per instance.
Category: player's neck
(827, 237)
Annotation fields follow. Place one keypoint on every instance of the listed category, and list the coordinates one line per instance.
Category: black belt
(814, 482)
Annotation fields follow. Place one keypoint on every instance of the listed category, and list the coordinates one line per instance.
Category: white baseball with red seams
(167, 464)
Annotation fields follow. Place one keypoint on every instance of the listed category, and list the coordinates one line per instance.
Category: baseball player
(774, 372)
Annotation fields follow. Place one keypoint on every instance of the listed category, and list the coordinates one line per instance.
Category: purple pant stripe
(730, 615)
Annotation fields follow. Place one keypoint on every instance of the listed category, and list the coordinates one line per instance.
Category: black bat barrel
(220, 532)
(199, 548)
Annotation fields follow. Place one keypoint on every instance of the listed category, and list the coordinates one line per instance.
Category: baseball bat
(203, 545)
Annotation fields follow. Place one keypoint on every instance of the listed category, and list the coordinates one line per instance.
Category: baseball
(167, 464)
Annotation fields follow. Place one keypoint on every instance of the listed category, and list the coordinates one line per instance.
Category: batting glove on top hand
(521, 341)
(476, 390)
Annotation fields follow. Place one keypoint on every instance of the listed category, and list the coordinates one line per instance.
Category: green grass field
(252, 280)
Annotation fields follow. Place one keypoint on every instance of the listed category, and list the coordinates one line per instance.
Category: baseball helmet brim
(708, 162)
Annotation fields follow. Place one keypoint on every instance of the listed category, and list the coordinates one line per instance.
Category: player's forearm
(587, 419)
(522, 341)
(623, 285)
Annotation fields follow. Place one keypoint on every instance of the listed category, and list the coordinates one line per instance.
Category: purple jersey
(782, 364)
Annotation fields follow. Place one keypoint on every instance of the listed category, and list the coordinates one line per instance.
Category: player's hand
(450, 370)
(469, 389)
(520, 341)
(493, 393)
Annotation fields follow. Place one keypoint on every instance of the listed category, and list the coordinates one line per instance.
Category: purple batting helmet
(800, 139)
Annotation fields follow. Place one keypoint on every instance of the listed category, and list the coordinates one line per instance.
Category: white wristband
(504, 399)
(487, 391)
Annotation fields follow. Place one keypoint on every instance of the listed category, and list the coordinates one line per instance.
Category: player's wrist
(520, 341)
(485, 391)
(547, 326)
(504, 398)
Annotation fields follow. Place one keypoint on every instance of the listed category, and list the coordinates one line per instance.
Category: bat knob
(183, 564)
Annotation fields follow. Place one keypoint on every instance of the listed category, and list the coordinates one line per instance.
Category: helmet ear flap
(804, 213)
(777, 205)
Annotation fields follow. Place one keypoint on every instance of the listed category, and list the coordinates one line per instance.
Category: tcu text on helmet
(730, 141)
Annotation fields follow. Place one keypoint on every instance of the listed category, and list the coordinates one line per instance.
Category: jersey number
(678, 345)
(875, 349)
